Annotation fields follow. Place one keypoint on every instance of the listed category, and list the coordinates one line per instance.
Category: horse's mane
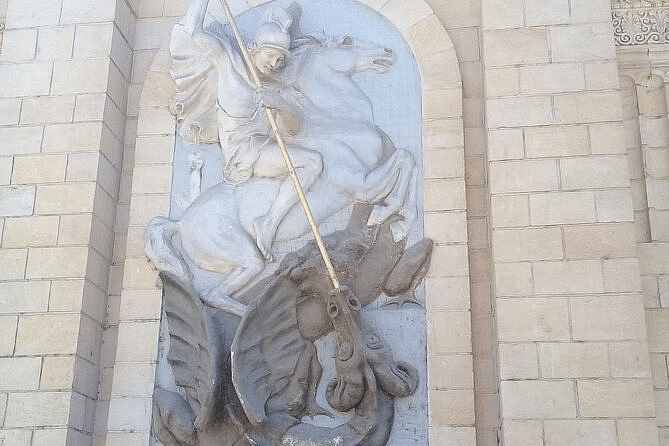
(301, 48)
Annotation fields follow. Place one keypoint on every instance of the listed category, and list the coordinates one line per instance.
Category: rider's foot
(382, 212)
(399, 229)
(264, 237)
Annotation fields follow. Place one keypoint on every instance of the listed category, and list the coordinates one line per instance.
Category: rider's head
(272, 41)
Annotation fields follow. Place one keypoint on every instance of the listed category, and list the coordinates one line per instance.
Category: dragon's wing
(266, 347)
(195, 355)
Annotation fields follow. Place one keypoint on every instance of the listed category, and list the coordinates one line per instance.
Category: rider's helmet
(273, 30)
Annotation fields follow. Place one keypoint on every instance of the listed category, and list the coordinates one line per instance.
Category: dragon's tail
(158, 247)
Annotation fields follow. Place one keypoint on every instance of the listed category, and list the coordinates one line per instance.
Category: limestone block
(20, 140)
(553, 78)
(443, 163)
(607, 138)
(90, 107)
(457, 13)
(151, 33)
(39, 169)
(57, 373)
(510, 210)
(580, 432)
(601, 318)
(475, 172)
(130, 414)
(175, 8)
(473, 114)
(657, 162)
(154, 178)
(47, 109)
(46, 437)
(516, 245)
(444, 195)
(72, 137)
(442, 103)
(453, 371)
(658, 364)
(570, 277)
(17, 437)
(581, 43)
(663, 290)
(144, 207)
(3, 406)
(588, 107)
(82, 166)
(55, 43)
(18, 45)
(158, 88)
(129, 350)
(518, 361)
(31, 13)
(90, 340)
(133, 379)
(451, 407)
(24, 297)
(448, 227)
(16, 201)
(80, 76)
(57, 262)
(64, 198)
(586, 11)
(13, 263)
(438, 71)
(614, 205)
(7, 335)
(654, 131)
(94, 40)
(637, 433)
(505, 144)
(38, 409)
(533, 319)
(20, 374)
(47, 334)
(9, 111)
(513, 279)
(74, 229)
(658, 335)
(453, 436)
(477, 201)
(546, 12)
(616, 398)
(622, 275)
(421, 36)
(86, 11)
(457, 297)
(126, 438)
(501, 14)
(140, 305)
(86, 380)
(654, 257)
(516, 47)
(443, 133)
(538, 399)
(155, 121)
(477, 233)
(630, 360)
(518, 111)
(25, 79)
(658, 193)
(661, 406)
(599, 241)
(562, 208)
(525, 432)
(523, 176)
(104, 207)
(449, 332)
(573, 360)
(404, 15)
(556, 141)
(449, 261)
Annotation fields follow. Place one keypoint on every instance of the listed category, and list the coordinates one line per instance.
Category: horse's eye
(346, 41)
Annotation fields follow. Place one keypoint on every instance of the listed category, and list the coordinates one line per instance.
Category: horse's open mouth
(383, 64)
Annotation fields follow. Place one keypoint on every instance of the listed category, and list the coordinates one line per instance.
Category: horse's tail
(159, 249)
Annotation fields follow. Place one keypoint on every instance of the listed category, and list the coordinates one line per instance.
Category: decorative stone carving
(222, 381)
(246, 334)
(640, 22)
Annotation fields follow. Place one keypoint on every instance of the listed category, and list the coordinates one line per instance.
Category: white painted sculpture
(327, 122)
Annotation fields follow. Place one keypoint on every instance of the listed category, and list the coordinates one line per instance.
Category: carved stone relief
(640, 22)
(250, 322)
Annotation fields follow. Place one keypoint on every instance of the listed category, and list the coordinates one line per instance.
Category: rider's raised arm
(193, 25)
(193, 21)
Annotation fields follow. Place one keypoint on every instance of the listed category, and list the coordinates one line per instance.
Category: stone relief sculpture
(238, 362)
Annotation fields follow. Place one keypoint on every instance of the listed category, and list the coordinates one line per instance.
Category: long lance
(284, 153)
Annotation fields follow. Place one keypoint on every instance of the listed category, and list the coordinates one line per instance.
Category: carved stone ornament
(640, 22)
(250, 320)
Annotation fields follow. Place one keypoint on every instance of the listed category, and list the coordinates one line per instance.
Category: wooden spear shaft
(284, 152)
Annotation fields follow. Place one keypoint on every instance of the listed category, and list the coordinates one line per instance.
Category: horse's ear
(346, 42)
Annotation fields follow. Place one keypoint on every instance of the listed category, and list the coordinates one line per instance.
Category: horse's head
(360, 55)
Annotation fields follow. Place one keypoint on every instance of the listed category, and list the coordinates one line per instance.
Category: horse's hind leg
(395, 200)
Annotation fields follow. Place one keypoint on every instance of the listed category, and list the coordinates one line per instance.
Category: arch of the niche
(448, 317)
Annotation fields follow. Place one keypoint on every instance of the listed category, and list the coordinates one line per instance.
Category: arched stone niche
(449, 362)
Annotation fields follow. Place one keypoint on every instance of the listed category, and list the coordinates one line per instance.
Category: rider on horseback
(244, 134)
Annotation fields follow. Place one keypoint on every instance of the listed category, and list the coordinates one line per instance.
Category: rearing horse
(360, 164)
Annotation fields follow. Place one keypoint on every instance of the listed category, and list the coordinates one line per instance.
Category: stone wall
(550, 223)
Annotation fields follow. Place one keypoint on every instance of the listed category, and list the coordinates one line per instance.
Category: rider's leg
(308, 166)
